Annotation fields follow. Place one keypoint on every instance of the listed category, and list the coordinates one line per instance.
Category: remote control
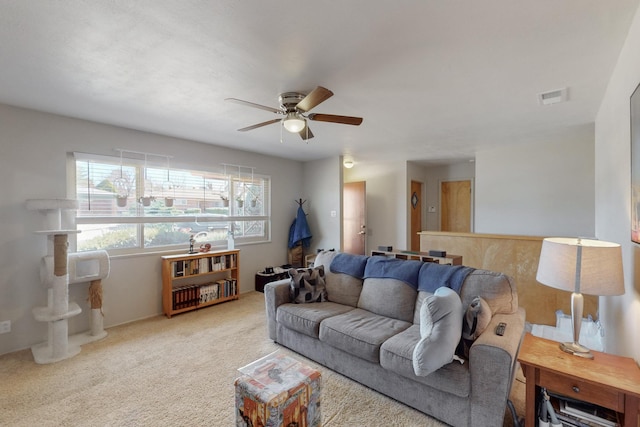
(500, 328)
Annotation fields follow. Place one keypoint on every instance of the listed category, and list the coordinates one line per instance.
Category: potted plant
(225, 201)
(121, 200)
(240, 201)
(254, 202)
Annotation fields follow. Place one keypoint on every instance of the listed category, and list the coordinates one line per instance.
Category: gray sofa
(369, 326)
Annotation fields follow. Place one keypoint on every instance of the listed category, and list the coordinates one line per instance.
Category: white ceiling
(434, 80)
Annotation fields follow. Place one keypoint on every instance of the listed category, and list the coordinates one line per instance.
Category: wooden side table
(608, 380)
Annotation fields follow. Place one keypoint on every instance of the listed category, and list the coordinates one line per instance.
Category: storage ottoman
(278, 390)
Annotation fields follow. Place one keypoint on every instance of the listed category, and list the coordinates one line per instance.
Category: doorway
(455, 206)
(416, 214)
(354, 217)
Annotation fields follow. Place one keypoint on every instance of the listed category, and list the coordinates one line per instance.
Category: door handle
(362, 232)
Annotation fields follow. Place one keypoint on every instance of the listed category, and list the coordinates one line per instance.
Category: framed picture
(635, 165)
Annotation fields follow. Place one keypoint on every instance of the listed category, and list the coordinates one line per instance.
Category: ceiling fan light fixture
(293, 123)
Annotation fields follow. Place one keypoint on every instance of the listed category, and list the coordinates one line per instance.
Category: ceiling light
(348, 164)
(294, 123)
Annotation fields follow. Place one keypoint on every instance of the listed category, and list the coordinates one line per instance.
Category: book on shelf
(184, 296)
(178, 269)
(208, 292)
(228, 287)
(203, 265)
(222, 283)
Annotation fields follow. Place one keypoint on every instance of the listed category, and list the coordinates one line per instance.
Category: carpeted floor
(178, 372)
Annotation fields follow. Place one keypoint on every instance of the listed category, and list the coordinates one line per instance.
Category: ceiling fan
(295, 108)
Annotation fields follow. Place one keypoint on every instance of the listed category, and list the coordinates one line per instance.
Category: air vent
(553, 97)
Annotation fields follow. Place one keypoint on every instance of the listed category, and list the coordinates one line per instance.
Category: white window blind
(128, 204)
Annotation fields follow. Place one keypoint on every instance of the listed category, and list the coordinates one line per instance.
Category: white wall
(387, 203)
(33, 152)
(621, 314)
(323, 192)
(540, 188)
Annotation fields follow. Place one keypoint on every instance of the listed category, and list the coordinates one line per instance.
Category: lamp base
(576, 349)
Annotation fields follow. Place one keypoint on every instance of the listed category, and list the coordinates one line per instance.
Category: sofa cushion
(341, 288)
(324, 258)
(388, 297)
(477, 317)
(497, 289)
(440, 331)
(422, 295)
(360, 332)
(396, 355)
(307, 285)
(306, 318)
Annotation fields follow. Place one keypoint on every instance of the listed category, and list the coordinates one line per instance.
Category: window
(128, 205)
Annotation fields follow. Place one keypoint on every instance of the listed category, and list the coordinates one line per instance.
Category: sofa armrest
(275, 294)
(493, 363)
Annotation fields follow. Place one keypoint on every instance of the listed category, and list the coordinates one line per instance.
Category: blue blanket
(350, 264)
(392, 268)
(434, 276)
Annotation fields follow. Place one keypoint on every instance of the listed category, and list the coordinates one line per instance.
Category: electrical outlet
(5, 327)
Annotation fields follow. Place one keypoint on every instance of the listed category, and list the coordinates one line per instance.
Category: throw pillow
(440, 330)
(307, 285)
(476, 319)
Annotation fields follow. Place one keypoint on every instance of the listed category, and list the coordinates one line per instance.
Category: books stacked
(209, 292)
(185, 268)
(194, 295)
(229, 287)
(185, 296)
(190, 267)
(576, 413)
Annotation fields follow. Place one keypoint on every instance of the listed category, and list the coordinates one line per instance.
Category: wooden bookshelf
(192, 281)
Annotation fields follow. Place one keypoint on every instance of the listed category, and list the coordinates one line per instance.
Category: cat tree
(54, 272)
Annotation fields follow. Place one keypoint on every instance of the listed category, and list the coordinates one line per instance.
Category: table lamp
(580, 266)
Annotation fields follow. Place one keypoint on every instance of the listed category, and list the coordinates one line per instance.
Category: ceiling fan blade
(254, 105)
(346, 120)
(306, 133)
(317, 96)
(259, 125)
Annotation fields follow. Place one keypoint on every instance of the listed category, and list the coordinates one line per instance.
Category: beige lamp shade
(586, 266)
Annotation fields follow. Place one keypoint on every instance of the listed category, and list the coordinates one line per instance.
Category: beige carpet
(176, 372)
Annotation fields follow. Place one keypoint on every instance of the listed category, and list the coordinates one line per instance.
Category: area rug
(176, 372)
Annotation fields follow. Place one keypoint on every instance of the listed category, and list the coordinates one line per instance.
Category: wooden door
(415, 206)
(353, 218)
(455, 206)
